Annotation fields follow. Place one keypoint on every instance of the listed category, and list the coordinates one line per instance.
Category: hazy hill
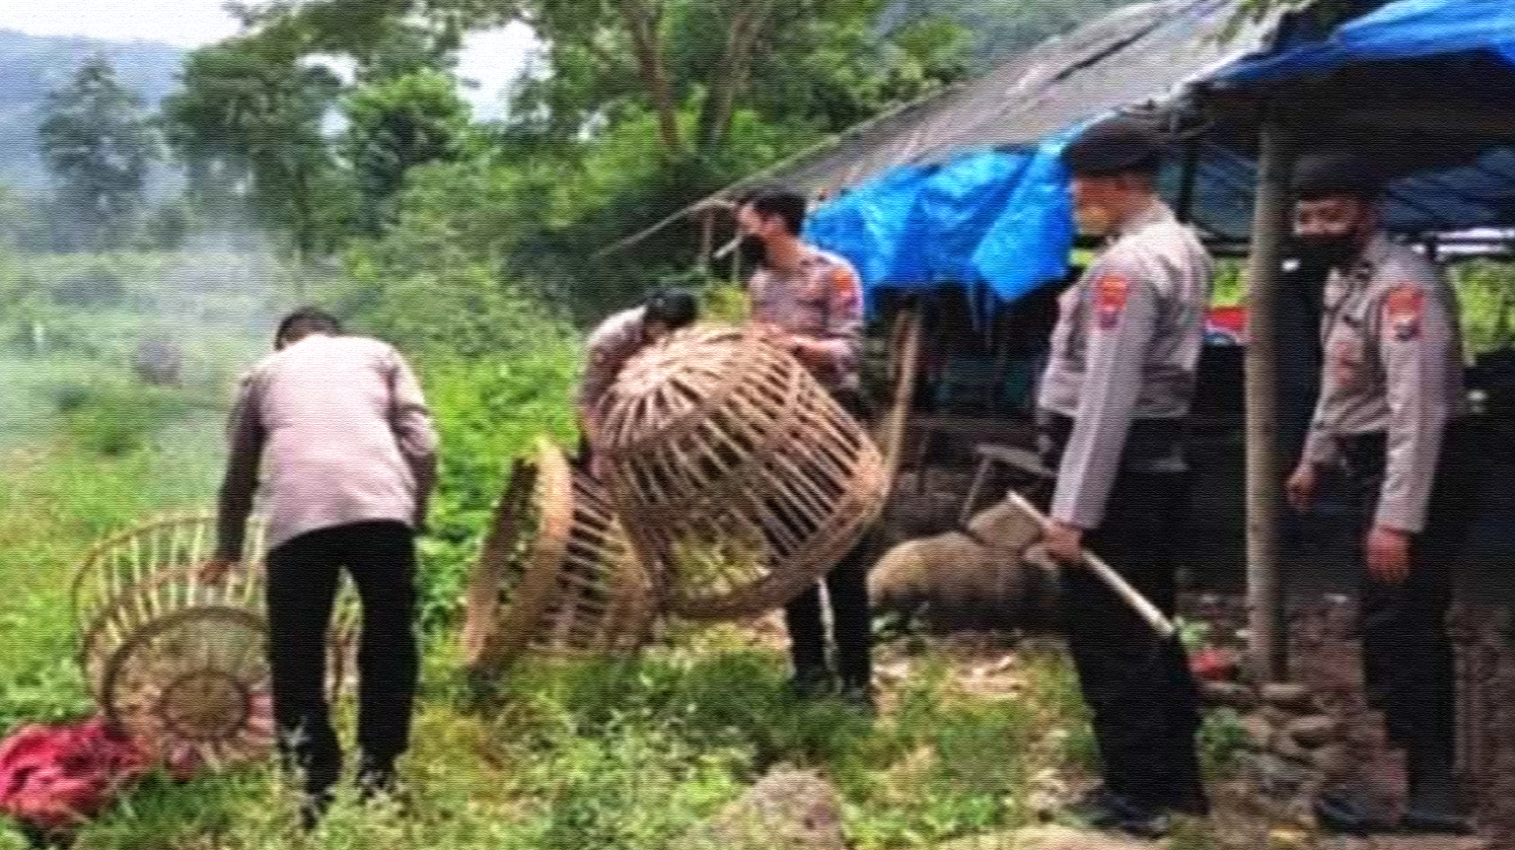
(31, 66)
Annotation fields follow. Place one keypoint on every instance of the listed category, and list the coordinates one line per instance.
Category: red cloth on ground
(55, 777)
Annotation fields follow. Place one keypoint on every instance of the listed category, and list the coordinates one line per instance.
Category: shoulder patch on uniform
(1111, 291)
(1404, 309)
(845, 284)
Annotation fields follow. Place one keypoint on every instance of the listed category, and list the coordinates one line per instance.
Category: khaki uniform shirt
(1392, 365)
(1126, 347)
(614, 342)
(823, 301)
(341, 426)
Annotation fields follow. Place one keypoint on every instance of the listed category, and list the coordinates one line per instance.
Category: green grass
(585, 756)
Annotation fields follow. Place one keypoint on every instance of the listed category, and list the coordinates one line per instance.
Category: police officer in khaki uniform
(1111, 410)
(811, 302)
(1391, 389)
(614, 343)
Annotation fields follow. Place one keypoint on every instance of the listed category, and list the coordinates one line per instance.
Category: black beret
(1114, 146)
(1325, 174)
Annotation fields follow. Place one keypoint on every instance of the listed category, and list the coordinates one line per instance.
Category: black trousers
(847, 593)
(1406, 650)
(302, 584)
(1138, 686)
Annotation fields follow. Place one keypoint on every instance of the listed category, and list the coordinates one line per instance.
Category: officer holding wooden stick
(1111, 410)
(1391, 392)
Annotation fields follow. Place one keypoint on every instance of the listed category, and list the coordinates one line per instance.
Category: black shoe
(1340, 814)
(860, 699)
(811, 684)
(1106, 809)
(1192, 804)
(313, 806)
(1435, 823)
(376, 778)
(1432, 810)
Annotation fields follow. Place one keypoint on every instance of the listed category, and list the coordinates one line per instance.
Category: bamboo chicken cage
(176, 662)
(557, 574)
(736, 473)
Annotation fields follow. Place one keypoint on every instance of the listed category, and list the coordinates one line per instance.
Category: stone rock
(1276, 716)
(1230, 695)
(1275, 777)
(1432, 843)
(1288, 696)
(1259, 732)
(1047, 838)
(158, 363)
(1286, 746)
(786, 810)
(1334, 761)
(1315, 731)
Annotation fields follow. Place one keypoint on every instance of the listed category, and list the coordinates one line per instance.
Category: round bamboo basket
(178, 663)
(737, 474)
(557, 574)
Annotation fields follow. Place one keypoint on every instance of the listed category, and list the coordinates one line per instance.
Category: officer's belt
(1153, 446)
(1368, 453)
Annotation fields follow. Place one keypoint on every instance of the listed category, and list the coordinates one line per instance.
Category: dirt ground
(1324, 655)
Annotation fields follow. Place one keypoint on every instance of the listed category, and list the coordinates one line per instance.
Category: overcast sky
(492, 59)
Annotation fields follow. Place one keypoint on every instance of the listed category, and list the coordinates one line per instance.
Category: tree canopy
(97, 142)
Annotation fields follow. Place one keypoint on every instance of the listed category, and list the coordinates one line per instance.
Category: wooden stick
(1112, 579)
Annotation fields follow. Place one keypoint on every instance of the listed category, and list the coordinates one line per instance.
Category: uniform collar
(1155, 213)
(1374, 255)
(810, 256)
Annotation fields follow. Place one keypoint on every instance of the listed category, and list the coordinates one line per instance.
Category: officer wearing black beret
(1111, 409)
(1391, 395)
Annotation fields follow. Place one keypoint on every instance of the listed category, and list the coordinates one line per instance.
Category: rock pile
(1295, 748)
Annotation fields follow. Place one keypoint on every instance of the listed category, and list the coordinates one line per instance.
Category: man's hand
(214, 571)
(1065, 543)
(1300, 488)
(1388, 551)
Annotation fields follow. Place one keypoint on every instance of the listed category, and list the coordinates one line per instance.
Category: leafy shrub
(115, 418)
(92, 288)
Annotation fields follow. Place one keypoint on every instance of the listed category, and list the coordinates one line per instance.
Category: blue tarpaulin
(1029, 244)
(1001, 221)
(955, 207)
(864, 224)
(1407, 29)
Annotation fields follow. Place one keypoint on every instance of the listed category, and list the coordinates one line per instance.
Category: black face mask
(753, 251)
(1336, 251)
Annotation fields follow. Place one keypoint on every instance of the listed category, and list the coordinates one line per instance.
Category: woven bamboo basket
(737, 474)
(557, 574)
(175, 662)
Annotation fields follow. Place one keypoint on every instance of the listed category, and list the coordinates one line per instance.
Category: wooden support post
(1187, 181)
(905, 350)
(1265, 596)
(707, 240)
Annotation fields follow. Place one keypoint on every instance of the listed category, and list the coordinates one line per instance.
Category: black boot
(376, 778)
(1433, 805)
(1338, 813)
(812, 683)
(859, 697)
(1106, 809)
(313, 805)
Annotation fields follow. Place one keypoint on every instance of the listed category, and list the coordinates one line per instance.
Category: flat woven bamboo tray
(176, 662)
(736, 473)
(557, 574)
